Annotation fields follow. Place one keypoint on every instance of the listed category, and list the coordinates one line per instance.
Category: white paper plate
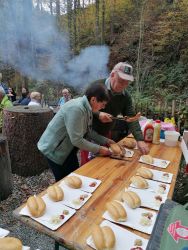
(86, 182)
(124, 238)
(160, 176)
(160, 163)
(52, 209)
(133, 218)
(154, 186)
(72, 195)
(148, 198)
(3, 232)
(128, 153)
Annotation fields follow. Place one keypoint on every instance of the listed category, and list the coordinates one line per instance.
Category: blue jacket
(68, 129)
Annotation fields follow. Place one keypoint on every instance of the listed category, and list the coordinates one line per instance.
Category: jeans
(70, 164)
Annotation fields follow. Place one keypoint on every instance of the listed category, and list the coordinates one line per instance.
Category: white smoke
(31, 43)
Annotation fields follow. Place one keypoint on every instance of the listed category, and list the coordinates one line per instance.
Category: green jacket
(5, 103)
(68, 129)
(120, 103)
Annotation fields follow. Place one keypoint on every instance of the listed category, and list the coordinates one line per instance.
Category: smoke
(31, 43)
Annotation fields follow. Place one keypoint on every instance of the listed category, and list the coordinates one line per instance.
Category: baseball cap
(124, 70)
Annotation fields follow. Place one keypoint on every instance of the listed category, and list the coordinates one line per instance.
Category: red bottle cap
(158, 121)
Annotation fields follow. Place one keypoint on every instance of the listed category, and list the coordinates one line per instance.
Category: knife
(119, 118)
(120, 158)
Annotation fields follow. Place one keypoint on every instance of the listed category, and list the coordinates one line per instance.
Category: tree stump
(5, 170)
(23, 127)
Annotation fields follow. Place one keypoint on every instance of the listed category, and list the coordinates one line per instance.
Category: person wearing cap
(4, 103)
(120, 103)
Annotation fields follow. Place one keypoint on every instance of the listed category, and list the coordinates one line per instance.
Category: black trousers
(69, 165)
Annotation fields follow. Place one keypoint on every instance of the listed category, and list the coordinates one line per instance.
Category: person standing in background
(65, 98)
(11, 94)
(25, 99)
(35, 99)
(3, 84)
(4, 103)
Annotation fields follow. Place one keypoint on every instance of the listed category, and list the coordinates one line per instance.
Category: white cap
(124, 70)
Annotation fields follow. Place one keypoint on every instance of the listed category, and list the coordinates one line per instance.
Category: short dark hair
(97, 90)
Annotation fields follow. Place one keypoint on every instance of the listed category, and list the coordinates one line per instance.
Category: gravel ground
(23, 188)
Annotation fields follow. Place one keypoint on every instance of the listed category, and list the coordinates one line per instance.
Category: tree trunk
(75, 35)
(23, 127)
(97, 22)
(69, 18)
(5, 169)
(173, 107)
(51, 7)
(103, 22)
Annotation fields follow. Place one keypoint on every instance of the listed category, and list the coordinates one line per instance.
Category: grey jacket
(68, 129)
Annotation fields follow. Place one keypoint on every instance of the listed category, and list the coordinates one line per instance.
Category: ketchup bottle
(148, 132)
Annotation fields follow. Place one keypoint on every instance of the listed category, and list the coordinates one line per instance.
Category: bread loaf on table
(129, 143)
(10, 243)
(36, 206)
(103, 238)
(145, 172)
(116, 149)
(55, 193)
(139, 182)
(116, 211)
(147, 159)
(73, 181)
(131, 198)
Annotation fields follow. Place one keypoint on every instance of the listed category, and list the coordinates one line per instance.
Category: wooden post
(23, 127)
(5, 170)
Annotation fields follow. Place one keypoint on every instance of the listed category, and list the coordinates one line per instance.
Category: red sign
(178, 231)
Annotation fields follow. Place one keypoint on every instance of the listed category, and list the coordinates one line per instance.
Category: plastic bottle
(156, 132)
(148, 132)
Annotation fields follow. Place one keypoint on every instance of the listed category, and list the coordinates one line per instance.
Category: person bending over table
(120, 103)
(71, 129)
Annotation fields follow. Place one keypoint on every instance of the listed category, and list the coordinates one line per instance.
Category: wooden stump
(23, 127)
(5, 170)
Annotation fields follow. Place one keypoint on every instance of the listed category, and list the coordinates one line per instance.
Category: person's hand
(133, 118)
(104, 151)
(110, 142)
(105, 117)
(143, 147)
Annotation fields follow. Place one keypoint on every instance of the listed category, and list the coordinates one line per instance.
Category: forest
(46, 44)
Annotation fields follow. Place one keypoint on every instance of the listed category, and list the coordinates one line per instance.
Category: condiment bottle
(148, 132)
(156, 132)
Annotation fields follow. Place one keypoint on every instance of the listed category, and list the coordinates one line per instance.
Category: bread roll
(116, 211)
(10, 243)
(103, 238)
(116, 150)
(73, 181)
(55, 193)
(147, 159)
(145, 172)
(139, 182)
(36, 206)
(131, 198)
(129, 144)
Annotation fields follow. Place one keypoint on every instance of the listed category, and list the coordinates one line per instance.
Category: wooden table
(115, 175)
